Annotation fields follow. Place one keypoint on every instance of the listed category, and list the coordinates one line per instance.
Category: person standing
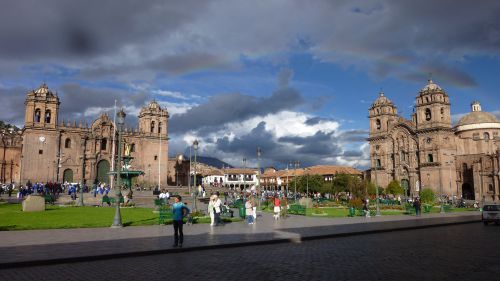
(179, 211)
(211, 204)
(417, 206)
(217, 210)
(249, 211)
(254, 207)
(277, 208)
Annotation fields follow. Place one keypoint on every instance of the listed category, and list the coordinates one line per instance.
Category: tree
(371, 189)
(314, 182)
(427, 196)
(339, 184)
(394, 188)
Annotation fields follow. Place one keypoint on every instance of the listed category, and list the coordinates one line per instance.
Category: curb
(32, 263)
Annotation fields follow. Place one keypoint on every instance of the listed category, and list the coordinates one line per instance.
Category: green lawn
(13, 218)
(343, 212)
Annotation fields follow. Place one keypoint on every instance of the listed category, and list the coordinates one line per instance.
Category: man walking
(179, 210)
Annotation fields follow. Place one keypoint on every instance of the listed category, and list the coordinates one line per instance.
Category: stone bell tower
(41, 109)
(40, 136)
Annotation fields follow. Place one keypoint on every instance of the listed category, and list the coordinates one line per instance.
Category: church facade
(58, 151)
(429, 151)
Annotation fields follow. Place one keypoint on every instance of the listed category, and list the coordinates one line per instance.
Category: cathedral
(70, 152)
(429, 151)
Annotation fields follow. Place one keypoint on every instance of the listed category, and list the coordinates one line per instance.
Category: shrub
(356, 203)
(427, 196)
(394, 188)
(197, 214)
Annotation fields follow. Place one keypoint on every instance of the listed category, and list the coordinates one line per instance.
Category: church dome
(477, 119)
(154, 105)
(43, 90)
(431, 87)
(382, 100)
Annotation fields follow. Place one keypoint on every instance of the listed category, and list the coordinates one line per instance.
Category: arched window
(486, 136)
(159, 127)
(490, 188)
(442, 110)
(152, 126)
(426, 99)
(37, 115)
(428, 115)
(132, 147)
(67, 143)
(47, 116)
(378, 163)
(378, 124)
(104, 143)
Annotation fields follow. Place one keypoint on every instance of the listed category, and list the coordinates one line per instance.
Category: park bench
(238, 203)
(49, 199)
(297, 209)
(447, 208)
(226, 211)
(409, 209)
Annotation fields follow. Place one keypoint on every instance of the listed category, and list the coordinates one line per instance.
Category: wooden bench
(410, 210)
(49, 199)
(226, 211)
(297, 209)
(447, 208)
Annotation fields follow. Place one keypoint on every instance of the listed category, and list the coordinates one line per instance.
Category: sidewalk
(36, 247)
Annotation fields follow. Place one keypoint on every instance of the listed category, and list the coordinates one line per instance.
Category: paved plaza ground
(26, 248)
(456, 252)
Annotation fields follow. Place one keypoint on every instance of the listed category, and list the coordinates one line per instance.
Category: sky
(295, 78)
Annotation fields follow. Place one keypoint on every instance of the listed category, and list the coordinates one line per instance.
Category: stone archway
(405, 184)
(468, 191)
(103, 171)
(68, 175)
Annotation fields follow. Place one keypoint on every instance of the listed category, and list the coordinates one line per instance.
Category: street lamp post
(117, 222)
(307, 187)
(376, 186)
(189, 179)
(195, 146)
(259, 153)
(82, 182)
(295, 166)
(244, 175)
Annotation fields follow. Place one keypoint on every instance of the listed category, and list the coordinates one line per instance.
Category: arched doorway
(68, 175)
(102, 171)
(468, 191)
(405, 184)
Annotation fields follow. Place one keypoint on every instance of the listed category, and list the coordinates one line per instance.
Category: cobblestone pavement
(459, 252)
(42, 245)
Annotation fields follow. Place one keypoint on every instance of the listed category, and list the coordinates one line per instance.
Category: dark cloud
(224, 108)
(309, 150)
(316, 120)
(13, 105)
(354, 136)
(58, 28)
(386, 37)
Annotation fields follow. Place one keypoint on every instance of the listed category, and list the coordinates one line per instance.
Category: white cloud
(170, 94)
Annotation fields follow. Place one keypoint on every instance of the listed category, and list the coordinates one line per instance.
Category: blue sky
(293, 77)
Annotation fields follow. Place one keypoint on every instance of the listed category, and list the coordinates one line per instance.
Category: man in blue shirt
(179, 210)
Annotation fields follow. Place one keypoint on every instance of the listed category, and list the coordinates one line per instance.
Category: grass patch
(55, 217)
(13, 218)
